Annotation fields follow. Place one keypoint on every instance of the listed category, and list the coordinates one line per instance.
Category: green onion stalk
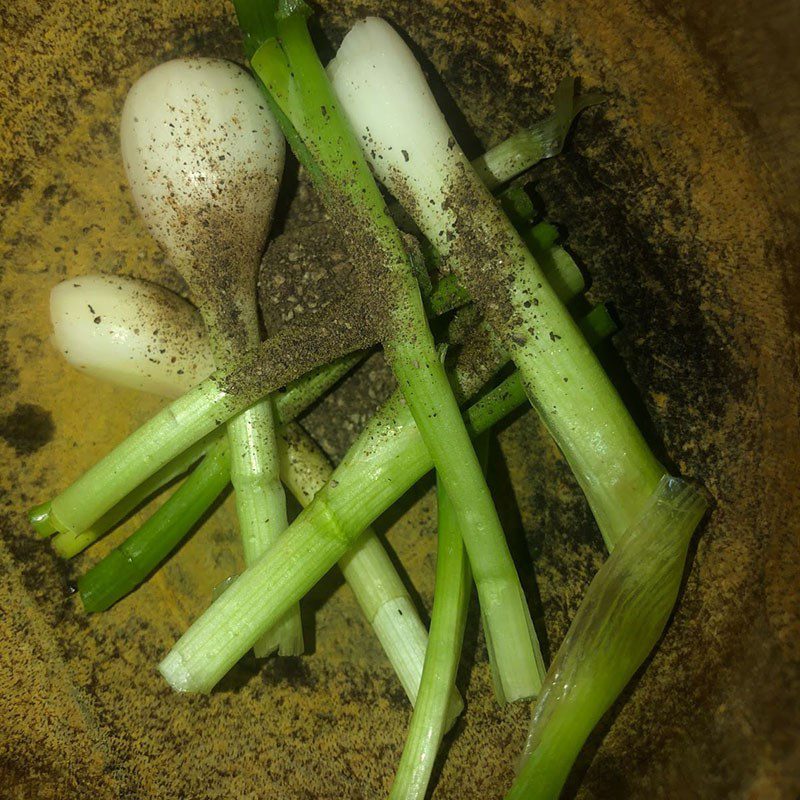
(620, 620)
(385, 95)
(288, 66)
(448, 618)
(68, 544)
(542, 140)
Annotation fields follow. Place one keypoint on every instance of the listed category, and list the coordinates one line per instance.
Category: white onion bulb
(130, 332)
(405, 137)
(204, 158)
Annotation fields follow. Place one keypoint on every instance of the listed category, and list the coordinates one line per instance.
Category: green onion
(543, 140)
(287, 64)
(448, 618)
(387, 100)
(204, 159)
(620, 620)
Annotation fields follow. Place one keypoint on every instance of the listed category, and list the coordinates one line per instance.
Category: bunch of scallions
(203, 145)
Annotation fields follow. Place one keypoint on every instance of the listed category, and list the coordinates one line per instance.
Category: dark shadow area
(401, 506)
(313, 601)
(622, 379)
(318, 595)
(245, 669)
(286, 193)
(469, 651)
(326, 49)
(466, 665)
(405, 577)
(286, 669)
(272, 670)
(614, 366)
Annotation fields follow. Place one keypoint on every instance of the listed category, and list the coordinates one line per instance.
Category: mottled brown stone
(674, 196)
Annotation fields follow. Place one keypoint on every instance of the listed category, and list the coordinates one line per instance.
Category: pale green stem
(69, 544)
(448, 618)
(368, 570)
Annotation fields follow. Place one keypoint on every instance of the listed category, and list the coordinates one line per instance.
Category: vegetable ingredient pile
(466, 294)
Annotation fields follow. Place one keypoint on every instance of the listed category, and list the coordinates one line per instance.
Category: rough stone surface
(673, 196)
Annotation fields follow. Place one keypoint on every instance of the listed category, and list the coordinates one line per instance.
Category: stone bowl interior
(667, 195)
